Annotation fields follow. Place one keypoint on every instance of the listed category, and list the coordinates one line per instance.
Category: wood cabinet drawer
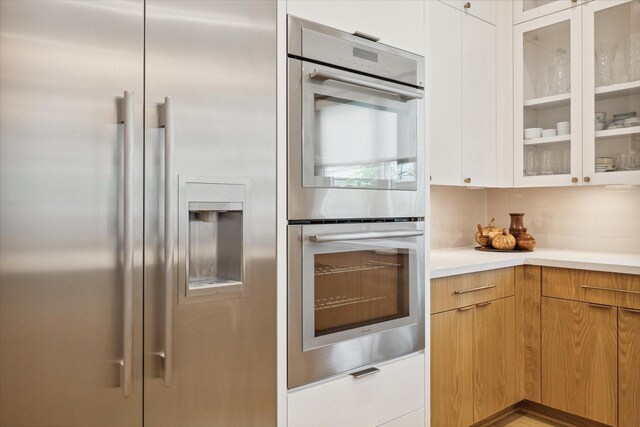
(452, 292)
(622, 290)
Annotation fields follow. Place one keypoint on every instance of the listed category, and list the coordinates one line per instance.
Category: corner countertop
(450, 262)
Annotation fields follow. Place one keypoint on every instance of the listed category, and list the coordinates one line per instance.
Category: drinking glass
(623, 162)
(633, 57)
(605, 55)
(561, 80)
(547, 163)
(566, 160)
(530, 163)
(543, 82)
(634, 160)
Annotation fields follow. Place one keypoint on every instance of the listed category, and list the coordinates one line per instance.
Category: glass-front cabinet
(547, 95)
(525, 10)
(611, 95)
(577, 96)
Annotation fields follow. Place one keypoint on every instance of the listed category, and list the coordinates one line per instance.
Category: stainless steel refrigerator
(137, 213)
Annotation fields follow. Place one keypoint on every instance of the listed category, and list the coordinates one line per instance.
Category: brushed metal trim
(366, 36)
(337, 237)
(127, 118)
(166, 122)
(480, 288)
(364, 373)
(484, 304)
(328, 75)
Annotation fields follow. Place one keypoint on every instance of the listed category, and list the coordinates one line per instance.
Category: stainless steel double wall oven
(355, 202)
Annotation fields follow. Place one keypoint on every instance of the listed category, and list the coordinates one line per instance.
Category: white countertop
(449, 262)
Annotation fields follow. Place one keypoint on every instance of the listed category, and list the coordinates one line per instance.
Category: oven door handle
(406, 95)
(337, 237)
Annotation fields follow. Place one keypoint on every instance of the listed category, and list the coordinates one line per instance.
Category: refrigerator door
(210, 299)
(71, 213)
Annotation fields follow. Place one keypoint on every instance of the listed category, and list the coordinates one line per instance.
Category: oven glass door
(356, 136)
(357, 283)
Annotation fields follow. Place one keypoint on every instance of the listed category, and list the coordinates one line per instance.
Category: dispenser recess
(213, 238)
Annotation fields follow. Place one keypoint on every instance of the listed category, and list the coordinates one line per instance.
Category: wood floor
(520, 419)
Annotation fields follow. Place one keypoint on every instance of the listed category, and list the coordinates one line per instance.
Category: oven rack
(325, 269)
(329, 303)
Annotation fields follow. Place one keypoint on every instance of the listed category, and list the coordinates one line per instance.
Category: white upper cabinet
(525, 10)
(578, 70)
(611, 92)
(461, 92)
(444, 93)
(483, 9)
(398, 23)
(478, 102)
(547, 97)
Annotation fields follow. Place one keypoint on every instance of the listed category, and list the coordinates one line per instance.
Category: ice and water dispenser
(213, 237)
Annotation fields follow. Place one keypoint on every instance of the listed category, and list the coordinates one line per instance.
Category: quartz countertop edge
(451, 262)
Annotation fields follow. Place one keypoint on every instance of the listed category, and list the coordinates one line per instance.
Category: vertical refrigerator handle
(126, 117)
(166, 121)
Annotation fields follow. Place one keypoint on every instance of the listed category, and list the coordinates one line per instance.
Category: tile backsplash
(597, 218)
(455, 211)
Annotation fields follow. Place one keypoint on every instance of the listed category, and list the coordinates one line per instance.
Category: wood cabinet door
(494, 370)
(579, 358)
(451, 368)
(628, 367)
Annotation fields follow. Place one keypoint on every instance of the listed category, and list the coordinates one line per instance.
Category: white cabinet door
(543, 48)
(444, 93)
(525, 10)
(478, 117)
(414, 419)
(483, 9)
(398, 23)
(461, 89)
(607, 28)
(342, 402)
(400, 389)
(393, 392)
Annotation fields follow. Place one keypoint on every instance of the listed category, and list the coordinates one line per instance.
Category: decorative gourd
(525, 241)
(504, 241)
(490, 230)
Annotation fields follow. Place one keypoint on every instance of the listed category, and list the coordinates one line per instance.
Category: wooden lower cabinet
(628, 367)
(579, 359)
(472, 362)
(452, 368)
(494, 370)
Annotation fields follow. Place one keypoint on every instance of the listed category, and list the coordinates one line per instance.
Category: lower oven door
(356, 296)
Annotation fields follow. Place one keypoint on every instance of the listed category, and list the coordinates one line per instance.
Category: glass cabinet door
(525, 10)
(547, 95)
(611, 51)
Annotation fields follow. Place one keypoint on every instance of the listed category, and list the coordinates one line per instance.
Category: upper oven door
(358, 280)
(357, 131)
(353, 148)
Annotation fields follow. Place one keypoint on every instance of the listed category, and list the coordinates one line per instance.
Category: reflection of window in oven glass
(356, 289)
(359, 144)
